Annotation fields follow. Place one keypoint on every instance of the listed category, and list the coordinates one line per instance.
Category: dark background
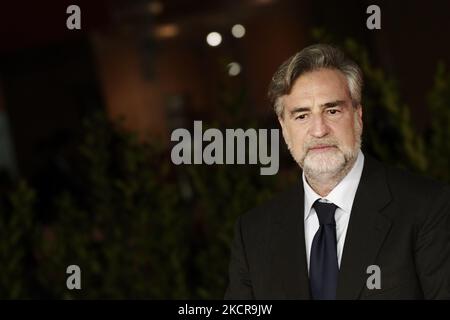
(86, 117)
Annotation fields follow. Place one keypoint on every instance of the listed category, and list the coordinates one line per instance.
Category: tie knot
(325, 212)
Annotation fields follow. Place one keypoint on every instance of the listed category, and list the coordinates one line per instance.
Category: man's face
(321, 127)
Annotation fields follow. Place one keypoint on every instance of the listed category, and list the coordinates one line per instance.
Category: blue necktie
(323, 265)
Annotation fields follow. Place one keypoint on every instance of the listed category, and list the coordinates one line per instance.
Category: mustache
(320, 143)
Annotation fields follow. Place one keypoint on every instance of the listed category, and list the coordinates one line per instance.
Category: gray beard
(326, 171)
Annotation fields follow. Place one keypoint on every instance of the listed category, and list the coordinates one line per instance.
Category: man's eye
(301, 117)
(333, 111)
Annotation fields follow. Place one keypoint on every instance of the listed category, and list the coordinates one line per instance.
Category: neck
(322, 184)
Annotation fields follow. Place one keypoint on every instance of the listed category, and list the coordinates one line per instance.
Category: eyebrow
(325, 105)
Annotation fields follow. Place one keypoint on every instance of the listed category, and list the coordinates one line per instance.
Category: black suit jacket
(399, 222)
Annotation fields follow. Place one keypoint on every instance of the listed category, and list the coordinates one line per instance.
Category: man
(351, 228)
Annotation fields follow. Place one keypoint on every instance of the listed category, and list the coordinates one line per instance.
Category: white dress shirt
(342, 196)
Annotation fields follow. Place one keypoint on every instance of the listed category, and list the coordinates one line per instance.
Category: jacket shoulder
(261, 216)
(413, 184)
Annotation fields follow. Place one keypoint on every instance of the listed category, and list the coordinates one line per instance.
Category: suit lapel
(288, 254)
(367, 230)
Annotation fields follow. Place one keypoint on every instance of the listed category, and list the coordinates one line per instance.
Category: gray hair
(315, 57)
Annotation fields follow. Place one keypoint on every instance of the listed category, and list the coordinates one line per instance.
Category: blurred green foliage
(16, 235)
(438, 135)
(144, 228)
(126, 232)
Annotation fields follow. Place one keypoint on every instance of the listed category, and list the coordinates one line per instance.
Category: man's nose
(318, 127)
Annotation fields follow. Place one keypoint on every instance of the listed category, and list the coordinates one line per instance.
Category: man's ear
(360, 114)
(283, 129)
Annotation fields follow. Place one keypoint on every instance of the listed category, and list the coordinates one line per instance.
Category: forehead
(318, 87)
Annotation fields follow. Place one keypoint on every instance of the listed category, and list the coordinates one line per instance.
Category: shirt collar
(343, 194)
